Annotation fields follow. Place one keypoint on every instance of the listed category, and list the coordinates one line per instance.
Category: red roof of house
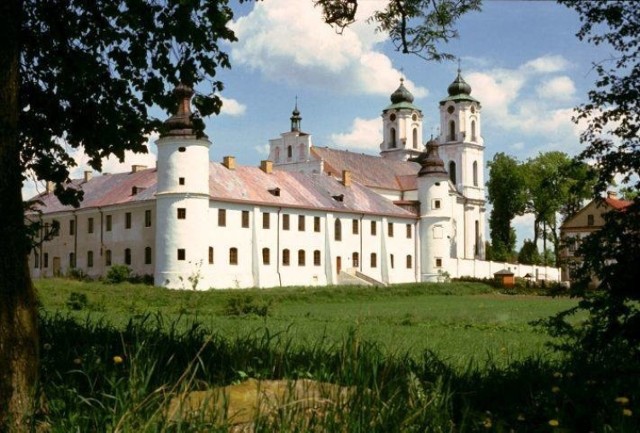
(617, 203)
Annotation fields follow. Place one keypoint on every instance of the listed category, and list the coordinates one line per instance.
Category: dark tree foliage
(612, 329)
(414, 26)
(77, 73)
(529, 254)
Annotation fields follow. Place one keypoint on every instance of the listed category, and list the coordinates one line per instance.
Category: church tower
(401, 126)
(435, 214)
(462, 150)
(182, 198)
(292, 150)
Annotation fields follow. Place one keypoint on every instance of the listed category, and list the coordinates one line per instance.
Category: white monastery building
(307, 216)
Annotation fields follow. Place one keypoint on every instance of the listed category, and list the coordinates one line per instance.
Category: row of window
(148, 258)
(108, 224)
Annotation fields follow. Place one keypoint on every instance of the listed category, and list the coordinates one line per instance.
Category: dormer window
(275, 191)
(182, 149)
(338, 197)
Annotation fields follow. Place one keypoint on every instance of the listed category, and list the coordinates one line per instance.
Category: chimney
(88, 175)
(612, 194)
(229, 162)
(136, 168)
(50, 187)
(346, 178)
(266, 166)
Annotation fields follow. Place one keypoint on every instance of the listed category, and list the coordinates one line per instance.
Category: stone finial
(181, 123)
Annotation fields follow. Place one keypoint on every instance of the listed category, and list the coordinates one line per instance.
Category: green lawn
(458, 321)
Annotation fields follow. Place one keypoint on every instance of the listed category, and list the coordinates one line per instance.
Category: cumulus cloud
(558, 88)
(231, 107)
(289, 41)
(365, 134)
(546, 64)
(262, 149)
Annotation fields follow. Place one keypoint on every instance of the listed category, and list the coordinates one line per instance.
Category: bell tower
(401, 126)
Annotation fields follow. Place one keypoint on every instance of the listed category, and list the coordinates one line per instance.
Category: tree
(529, 254)
(506, 192)
(612, 141)
(83, 74)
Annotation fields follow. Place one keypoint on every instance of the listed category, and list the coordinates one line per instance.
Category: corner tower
(462, 150)
(401, 126)
(182, 197)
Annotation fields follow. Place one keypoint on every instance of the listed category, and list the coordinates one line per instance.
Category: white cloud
(262, 149)
(546, 64)
(365, 134)
(517, 146)
(232, 107)
(289, 41)
(558, 88)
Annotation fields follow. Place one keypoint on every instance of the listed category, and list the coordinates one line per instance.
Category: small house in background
(505, 277)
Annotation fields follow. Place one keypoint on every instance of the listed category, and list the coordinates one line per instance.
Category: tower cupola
(181, 122)
(459, 90)
(430, 161)
(401, 94)
(402, 126)
(295, 118)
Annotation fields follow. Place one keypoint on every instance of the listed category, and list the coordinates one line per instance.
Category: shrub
(77, 301)
(77, 274)
(118, 274)
(244, 305)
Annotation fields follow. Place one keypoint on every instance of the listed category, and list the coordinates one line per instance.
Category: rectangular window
(245, 219)
(266, 256)
(374, 260)
(408, 231)
(72, 227)
(436, 204)
(147, 256)
(374, 228)
(147, 218)
(590, 220)
(211, 255)
(46, 260)
(355, 228)
(265, 220)
(285, 257)
(127, 220)
(107, 257)
(301, 258)
(390, 229)
(316, 258)
(89, 259)
(72, 260)
(438, 263)
(233, 256)
(36, 260)
(182, 213)
(316, 224)
(409, 261)
(301, 223)
(355, 260)
(108, 223)
(222, 217)
(391, 259)
(181, 181)
(90, 225)
(182, 254)
(285, 222)
(127, 256)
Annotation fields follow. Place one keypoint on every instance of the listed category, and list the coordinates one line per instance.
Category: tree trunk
(18, 312)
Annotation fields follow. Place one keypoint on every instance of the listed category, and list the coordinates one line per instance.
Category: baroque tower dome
(401, 94)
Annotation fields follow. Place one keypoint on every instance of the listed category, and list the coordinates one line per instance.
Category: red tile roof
(369, 170)
(617, 203)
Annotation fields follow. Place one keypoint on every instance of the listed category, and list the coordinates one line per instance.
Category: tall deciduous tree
(82, 74)
(506, 191)
(612, 142)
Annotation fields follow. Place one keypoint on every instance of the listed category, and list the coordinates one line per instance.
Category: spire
(180, 123)
(432, 164)
(295, 118)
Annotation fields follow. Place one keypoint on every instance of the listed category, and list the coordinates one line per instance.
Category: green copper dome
(459, 90)
(402, 98)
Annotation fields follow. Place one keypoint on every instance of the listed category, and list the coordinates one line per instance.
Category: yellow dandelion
(554, 423)
(622, 400)
(117, 359)
(557, 375)
(487, 423)
(555, 389)
(627, 412)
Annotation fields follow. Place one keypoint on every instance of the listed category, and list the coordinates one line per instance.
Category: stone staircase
(353, 277)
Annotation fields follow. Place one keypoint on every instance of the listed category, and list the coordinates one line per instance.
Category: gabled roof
(617, 204)
(605, 204)
(243, 184)
(369, 170)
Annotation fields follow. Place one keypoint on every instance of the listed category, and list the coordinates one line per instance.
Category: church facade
(306, 216)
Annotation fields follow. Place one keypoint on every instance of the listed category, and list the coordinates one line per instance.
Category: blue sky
(522, 60)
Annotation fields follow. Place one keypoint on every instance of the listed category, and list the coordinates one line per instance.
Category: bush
(118, 274)
(77, 301)
(77, 274)
(244, 305)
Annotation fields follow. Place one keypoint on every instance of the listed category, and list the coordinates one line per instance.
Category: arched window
(277, 154)
(475, 173)
(316, 258)
(266, 256)
(147, 255)
(374, 260)
(452, 172)
(289, 152)
(452, 130)
(409, 261)
(355, 260)
(233, 256)
(337, 232)
(285, 257)
(392, 133)
(301, 151)
(415, 138)
(301, 258)
(473, 130)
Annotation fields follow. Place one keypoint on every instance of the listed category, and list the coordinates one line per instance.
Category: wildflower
(554, 423)
(117, 359)
(555, 389)
(487, 423)
(622, 400)
(557, 375)
(77, 361)
(626, 412)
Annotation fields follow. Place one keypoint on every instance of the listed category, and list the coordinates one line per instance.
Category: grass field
(458, 321)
